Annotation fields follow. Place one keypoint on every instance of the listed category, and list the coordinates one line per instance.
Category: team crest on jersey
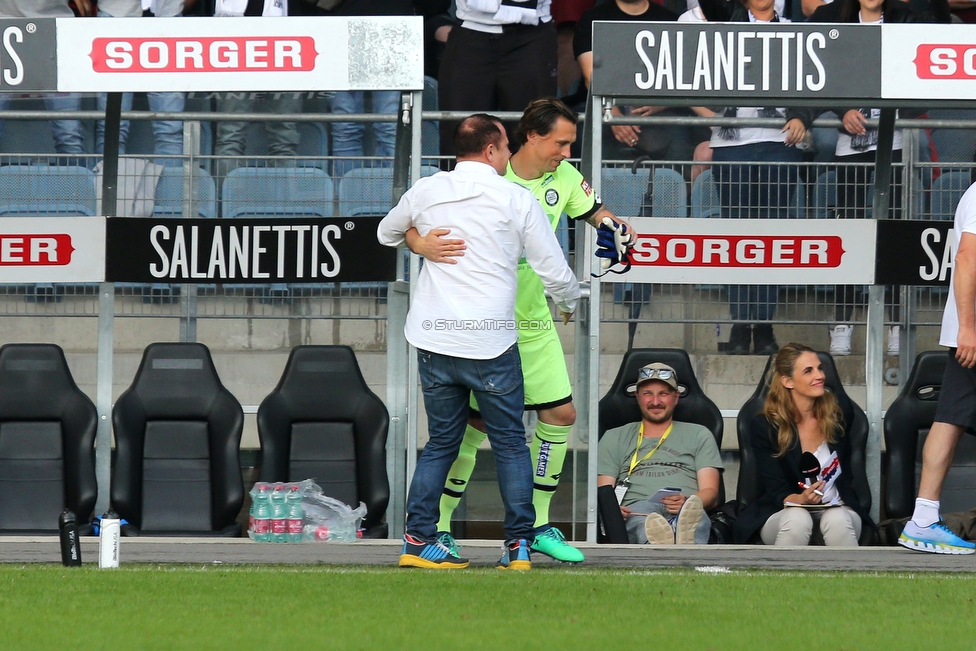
(586, 187)
(552, 197)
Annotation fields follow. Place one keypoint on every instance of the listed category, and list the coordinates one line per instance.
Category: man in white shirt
(956, 411)
(462, 322)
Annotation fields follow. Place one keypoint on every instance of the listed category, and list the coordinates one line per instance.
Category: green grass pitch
(556, 609)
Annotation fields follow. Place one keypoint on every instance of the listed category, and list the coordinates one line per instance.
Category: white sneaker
(894, 337)
(840, 339)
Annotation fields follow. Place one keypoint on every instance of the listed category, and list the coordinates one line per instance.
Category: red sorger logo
(718, 251)
(945, 61)
(22, 250)
(210, 54)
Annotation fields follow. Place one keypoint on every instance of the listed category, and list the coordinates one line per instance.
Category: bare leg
(937, 454)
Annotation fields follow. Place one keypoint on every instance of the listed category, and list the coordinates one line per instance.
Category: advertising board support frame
(106, 311)
(874, 353)
(402, 398)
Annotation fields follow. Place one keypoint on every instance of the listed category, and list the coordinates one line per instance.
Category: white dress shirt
(467, 309)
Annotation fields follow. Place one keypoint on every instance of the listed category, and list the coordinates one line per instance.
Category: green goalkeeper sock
(458, 476)
(548, 455)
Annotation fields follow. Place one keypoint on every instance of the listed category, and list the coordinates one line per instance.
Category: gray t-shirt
(688, 449)
(34, 9)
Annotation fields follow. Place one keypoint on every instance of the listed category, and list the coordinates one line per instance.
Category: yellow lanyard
(640, 437)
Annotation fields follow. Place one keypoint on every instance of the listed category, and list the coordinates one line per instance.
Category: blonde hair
(781, 411)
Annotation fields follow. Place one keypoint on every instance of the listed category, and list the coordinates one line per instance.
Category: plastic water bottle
(70, 547)
(295, 513)
(261, 515)
(109, 536)
(279, 515)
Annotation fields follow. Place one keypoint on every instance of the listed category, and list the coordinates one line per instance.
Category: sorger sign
(928, 61)
(738, 251)
(50, 249)
(270, 54)
(240, 54)
(752, 251)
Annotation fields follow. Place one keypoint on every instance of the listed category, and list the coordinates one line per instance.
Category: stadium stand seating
(47, 441)
(747, 490)
(946, 192)
(705, 201)
(262, 192)
(669, 194)
(323, 422)
(47, 190)
(177, 440)
(906, 427)
(619, 407)
(623, 189)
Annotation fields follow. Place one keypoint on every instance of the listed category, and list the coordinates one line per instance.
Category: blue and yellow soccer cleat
(515, 556)
(429, 555)
(935, 539)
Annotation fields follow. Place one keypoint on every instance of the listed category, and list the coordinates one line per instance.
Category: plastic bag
(294, 512)
(328, 519)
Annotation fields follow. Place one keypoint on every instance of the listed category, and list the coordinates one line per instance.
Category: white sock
(926, 512)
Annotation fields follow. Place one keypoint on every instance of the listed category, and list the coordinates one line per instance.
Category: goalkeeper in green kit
(545, 132)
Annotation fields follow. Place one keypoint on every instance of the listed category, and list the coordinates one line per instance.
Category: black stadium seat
(47, 441)
(906, 427)
(322, 422)
(177, 440)
(747, 489)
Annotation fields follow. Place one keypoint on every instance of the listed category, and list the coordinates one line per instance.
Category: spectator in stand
(567, 14)
(501, 57)
(756, 173)
(347, 137)
(627, 142)
(168, 133)
(231, 136)
(858, 144)
(68, 135)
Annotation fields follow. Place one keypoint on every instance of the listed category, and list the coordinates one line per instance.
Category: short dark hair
(540, 117)
(476, 132)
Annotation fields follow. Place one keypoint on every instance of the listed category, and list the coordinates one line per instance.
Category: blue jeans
(347, 137)
(68, 135)
(497, 384)
(168, 133)
(752, 190)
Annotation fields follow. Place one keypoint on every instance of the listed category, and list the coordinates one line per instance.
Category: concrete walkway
(484, 553)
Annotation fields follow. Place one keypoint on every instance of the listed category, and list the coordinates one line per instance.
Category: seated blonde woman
(801, 415)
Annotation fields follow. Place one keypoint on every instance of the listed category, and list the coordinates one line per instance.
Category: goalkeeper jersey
(562, 191)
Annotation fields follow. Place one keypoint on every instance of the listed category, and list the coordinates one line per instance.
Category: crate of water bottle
(291, 512)
(278, 511)
(330, 520)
